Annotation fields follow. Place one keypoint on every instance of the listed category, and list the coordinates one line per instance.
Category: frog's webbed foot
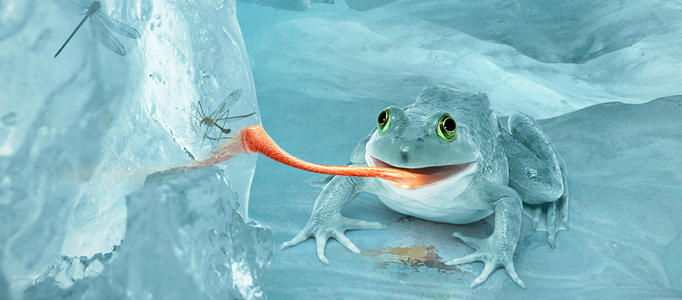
(551, 217)
(493, 252)
(324, 228)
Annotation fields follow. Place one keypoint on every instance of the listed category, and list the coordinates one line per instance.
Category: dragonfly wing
(105, 37)
(118, 27)
(71, 7)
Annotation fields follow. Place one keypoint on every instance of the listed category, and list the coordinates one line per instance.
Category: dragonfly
(99, 22)
(204, 123)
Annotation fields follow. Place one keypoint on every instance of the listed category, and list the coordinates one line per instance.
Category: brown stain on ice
(414, 256)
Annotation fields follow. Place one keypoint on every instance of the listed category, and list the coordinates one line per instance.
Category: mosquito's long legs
(222, 129)
(220, 113)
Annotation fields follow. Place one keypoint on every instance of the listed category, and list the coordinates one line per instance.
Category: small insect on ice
(203, 124)
(99, 22)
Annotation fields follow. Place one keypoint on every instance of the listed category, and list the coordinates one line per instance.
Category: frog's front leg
(497, 250)
(326, 220)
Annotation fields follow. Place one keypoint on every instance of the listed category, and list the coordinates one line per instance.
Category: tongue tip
(250, 136)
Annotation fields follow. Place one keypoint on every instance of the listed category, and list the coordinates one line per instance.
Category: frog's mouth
(427, 175)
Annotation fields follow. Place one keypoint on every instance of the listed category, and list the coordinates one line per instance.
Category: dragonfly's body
(92, 10)
(99, 24)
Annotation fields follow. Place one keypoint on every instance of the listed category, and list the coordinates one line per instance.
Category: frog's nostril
(403, 153)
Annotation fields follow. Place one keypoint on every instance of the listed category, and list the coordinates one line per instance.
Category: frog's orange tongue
(254, 139)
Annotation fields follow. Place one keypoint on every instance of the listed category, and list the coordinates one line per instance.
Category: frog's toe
(492, 262)
(321, 243)
(356, 224)
(473, 242)
(550, 217)
(492, 254)
(299, 238)
(515, 276)
(487, 270)
(465, 259)
(341, 237)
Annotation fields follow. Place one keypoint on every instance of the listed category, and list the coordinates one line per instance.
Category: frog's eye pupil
(447, 128)
(382, 117)
(384, 120)
(449, 125)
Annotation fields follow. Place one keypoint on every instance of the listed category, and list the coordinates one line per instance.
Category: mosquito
(219, 116)
(99, 22)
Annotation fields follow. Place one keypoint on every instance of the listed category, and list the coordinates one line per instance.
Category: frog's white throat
(453, 178)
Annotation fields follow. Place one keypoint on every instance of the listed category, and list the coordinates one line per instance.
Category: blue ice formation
(79, 135)
(323, 74)
(542, 58)
(293, 5)
(184, 240)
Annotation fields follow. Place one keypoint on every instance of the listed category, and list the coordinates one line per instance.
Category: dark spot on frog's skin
(403, 156)
(420, 139)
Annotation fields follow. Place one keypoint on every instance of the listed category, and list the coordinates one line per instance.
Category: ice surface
(79, 134)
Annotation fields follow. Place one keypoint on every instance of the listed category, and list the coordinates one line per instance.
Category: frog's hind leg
(538, 173)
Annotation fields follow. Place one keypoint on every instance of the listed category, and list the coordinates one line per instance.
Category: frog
(475, 168)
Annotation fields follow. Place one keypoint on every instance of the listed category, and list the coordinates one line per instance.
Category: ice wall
(80, 133)
(293, 5)
(545, 58)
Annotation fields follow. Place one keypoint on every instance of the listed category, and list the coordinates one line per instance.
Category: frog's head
(426, 138)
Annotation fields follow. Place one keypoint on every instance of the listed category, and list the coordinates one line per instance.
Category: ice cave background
(80, 133)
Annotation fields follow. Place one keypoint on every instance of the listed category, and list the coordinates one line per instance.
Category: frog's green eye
(384, 120)
(447, 128)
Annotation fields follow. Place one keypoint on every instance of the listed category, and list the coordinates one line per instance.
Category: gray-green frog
(475, 167)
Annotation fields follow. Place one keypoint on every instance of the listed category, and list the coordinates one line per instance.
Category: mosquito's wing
(235, 118)
(105, 37)
(118, 27)
(219, 111)
(72, 7)
(232, 98)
